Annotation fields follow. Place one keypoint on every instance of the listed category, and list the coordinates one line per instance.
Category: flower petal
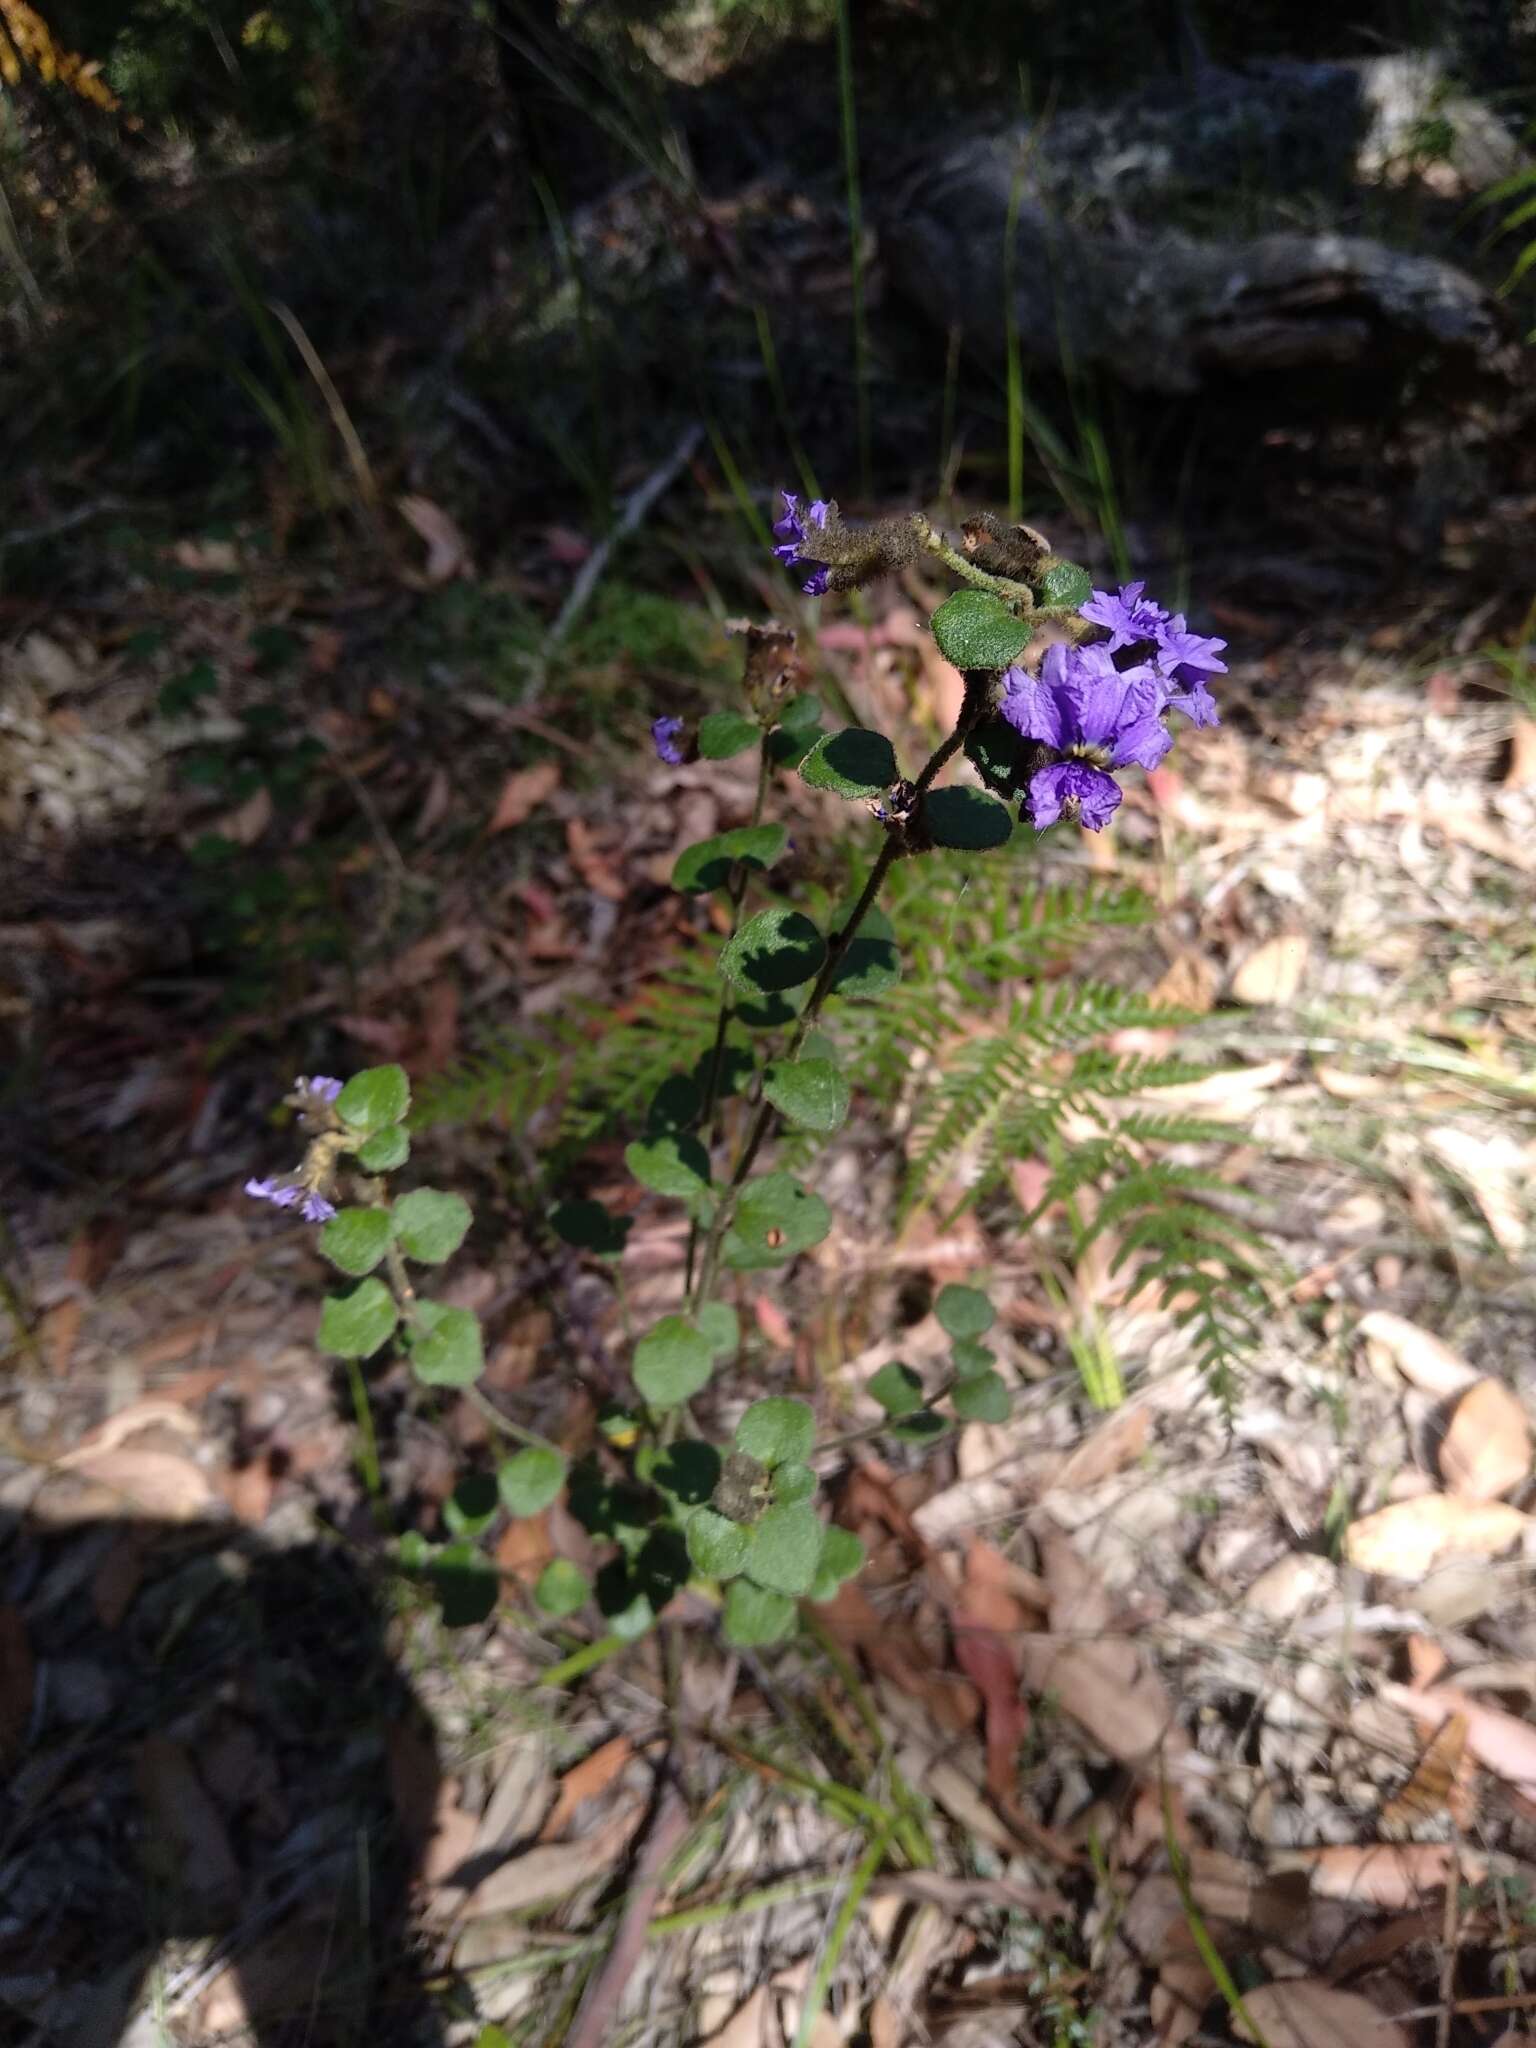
(1096, 794)
(1032, 705)
(1145, 743)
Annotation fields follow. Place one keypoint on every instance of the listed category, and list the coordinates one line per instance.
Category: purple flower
(316, 1209)
(320, 1084)
(794, 533)
(1185, 660)
(1098, 716)
(283, 1194)
(1130, 615)
(664, 732)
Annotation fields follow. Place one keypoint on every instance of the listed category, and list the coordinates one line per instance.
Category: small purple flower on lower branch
(1097, 716)
(282, 1194)
(1129, 614)
(316, 1209)
(322, 1085)
(664, 732)
(796, 549)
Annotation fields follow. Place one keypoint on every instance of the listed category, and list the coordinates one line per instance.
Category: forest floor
(1146, 1707)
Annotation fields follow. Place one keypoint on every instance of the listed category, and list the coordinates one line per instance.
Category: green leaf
(925, 1427)
(471, 1507)
(356, 1239)
(721, 1326)
(964, 1311)
(384, 1151)
(793, 1482)
(355, 1325)
(530, 1479)
(431, 1225)
(897, 1388)
(777, 949)
(675, 1105)
(871, 964)
(786, 1549)
(450, 1353)
(770, 1013)
(852, 763)
(981, 1397)
(775, 1220)
(842, 1556)
(966, 818)
(1000, 756)
(673, 1164)
(974, 629)
(1064, 583)
(466, 1584)
(795, 713)
(788, 747)
(622, 1602)
(413, 1550)
(688, 1470)
(776, 1432)
(753, 1616)
(723, 733)
(672, 1362)
(590, 1227)
(970, 1357)
(561, 1588)
(718, 1547)
(811, 1093)
(375, 1098)
(707, 864)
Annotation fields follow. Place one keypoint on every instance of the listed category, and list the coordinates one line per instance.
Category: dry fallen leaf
(1431, 1788)
(1493, 1168)
(1423, 1359)
(989, 1622)
(1403, 1540)
(522, 793)
(1521, 772)
(124, 1482)
(1302, 2013)
(447, 549)
(1118, 1440)
(1502, 1743)
(554, 1869)
(1385, 1875)
(1273, 973)
(583, 1781)
(1486, 1449)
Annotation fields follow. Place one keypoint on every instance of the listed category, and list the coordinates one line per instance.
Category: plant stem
(587, 1658)
(972, 710)
(832, 1954)
(368, 1443)
(505, 1423)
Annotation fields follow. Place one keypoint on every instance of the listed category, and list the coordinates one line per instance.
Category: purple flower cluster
(1098, 717)
(288, 1194)
(664, 732)
(796, 549)
(323, 1085)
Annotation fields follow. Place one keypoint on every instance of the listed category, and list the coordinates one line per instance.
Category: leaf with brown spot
(522, 793)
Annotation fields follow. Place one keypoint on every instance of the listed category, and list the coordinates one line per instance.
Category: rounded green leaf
(675, 1105)
(355, 1325)
(793, 1482)
(842, 1556)
(852, 763)
(590, 1227)
(897, 1388)
(688, 1470)
(777, 949)
(964, 1311)
(777, 1431)
(969, 1357)
(466, 1583)
(431, 1225)
(672, 1362)
(723, 733)
(923, 1427)
(786, 1549)
(672, 1164)
(718, 1547)
(1064, 583)
(1000, 756)
(376, 1097)
(974, 629)
(384, 1151)
(721, 1326)
(753, 1616)
(796, 713)
(981, 1397)
(356, 1239)
(708, 863)
(530, 1479)
(811, 1093)
(471, 1507)
(789, 745)
(446, 1349)
(775, 1220)
(966, 818)
(871, 964)
(561, 1587)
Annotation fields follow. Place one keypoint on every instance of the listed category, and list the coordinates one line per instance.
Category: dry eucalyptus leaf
(1493, 1169)
(1273, 973)
(1486, 1450)
(1402, 1541)
(522, 793)
(1390, 1876)
(554, 1869)
(447, 549)
(1302, 2013)
(122, 1483)
(1500, 1742)
(1423, 1359)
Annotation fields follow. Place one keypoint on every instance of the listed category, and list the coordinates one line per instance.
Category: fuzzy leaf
(775, 1220)
(355, 1325)
(590, 1227)
(966, 818)
(1000, 756)
(723, 733)
(356, 1239)
(675, 1105)
(981, 1397)
(530, 1479)
(964, 1311)
(466, 1584)
(384, 1151)
(786, 1549)
(793, 1482)
(1064, 583)
(871, 964)
(721, 1326)
(754, 1616)
(376, 1097)
(777, 1431)
(451, 1353)
(707, 864)
(974, 629)
(897, 1388)
(718, 1547)
(471, 1507)
(810, 1093)
(672, 1164)
(431, 1225)
(842, 1555)
(777, 949)
(796, 713)
(969, 1357)
(852, 763)
(672, 1362)
(923, 1427)
(562, 1587)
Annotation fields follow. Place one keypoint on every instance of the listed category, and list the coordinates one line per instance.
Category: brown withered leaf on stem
(1486, 1449)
